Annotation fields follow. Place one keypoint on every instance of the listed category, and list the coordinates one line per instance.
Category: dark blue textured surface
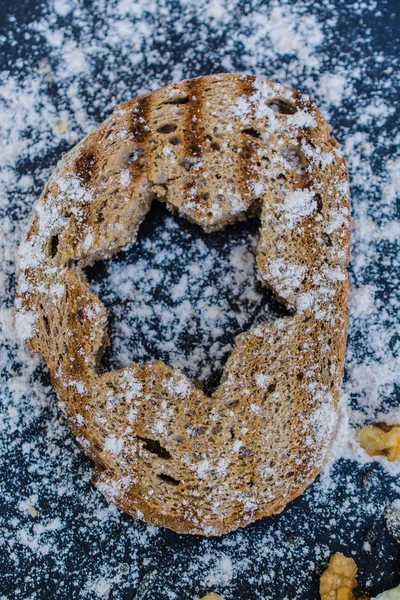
(299, 523)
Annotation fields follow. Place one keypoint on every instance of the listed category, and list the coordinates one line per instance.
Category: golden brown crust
(216, 149)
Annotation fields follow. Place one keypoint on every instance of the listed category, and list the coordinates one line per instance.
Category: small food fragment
(60, 126)
(393, 594)
(339, 579)
(381, 440)
(32, 510)
(213, 596)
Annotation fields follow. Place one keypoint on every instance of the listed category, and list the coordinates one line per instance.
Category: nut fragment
(381, 440)
(339, 579)
(344, 593)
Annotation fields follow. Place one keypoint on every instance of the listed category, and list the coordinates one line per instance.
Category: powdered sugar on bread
(236, 146)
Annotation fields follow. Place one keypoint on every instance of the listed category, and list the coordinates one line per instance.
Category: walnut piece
(339, 579)
(381, 440)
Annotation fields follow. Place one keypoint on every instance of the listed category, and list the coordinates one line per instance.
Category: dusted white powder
(297, 205)
(93, 57)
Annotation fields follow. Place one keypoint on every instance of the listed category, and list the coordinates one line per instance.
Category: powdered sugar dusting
(57, 530)
(297, 205)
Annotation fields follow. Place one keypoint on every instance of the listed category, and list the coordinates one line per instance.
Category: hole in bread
(53, 246)
(318, 200)
(46, 324)
(175, 140)
(232, 403)
(252, 132)
(295, 159)
(168, 128)
(282, 106)
(108, 133)
(215, 145)
(130, 156)
(327, 239)
(179, 99)
(154, 447)
(195, 149)
(168, 479)
(182, 295)
(187, 162)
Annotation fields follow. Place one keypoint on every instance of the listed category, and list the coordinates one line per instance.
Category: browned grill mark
(86, 165)
(193, 121)
(140, 130)
(194, 137)
(139, 127)
(253, 132)
(246, 85)
(245, 158)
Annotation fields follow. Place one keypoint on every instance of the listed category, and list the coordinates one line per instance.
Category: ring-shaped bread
(216, 149)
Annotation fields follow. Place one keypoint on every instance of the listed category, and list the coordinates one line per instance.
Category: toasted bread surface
(216, 149)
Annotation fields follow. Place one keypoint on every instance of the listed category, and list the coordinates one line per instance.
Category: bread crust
(216, 149)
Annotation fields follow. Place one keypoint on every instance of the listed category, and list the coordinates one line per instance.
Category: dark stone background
(307, 521)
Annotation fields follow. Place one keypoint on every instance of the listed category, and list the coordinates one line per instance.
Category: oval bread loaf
(217, 149)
